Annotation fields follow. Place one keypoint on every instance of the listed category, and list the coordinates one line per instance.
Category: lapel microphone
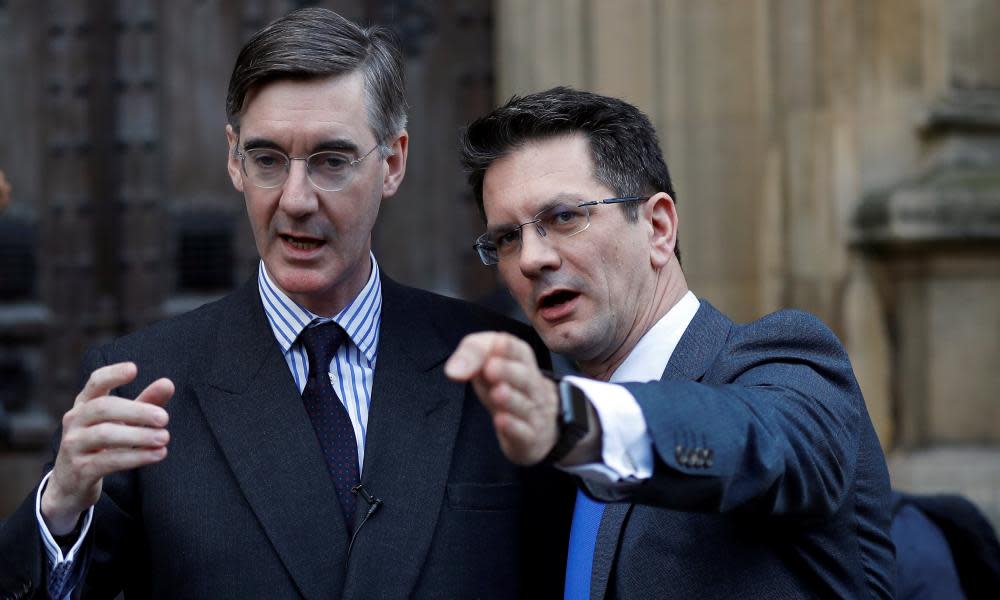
(373, 504)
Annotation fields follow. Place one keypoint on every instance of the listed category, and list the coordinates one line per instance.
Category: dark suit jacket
(945, 548)
(768, 480)
(243, 506)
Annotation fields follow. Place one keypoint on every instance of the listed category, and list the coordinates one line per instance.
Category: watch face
(574, 407)
(573, 419)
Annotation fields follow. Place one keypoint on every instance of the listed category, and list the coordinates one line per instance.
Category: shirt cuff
(626, 447)
(52, 548)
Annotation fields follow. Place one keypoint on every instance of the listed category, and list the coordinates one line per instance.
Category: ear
(233, 164)
(661, 213)
(396, 164)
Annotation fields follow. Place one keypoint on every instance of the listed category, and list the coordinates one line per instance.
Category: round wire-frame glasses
(327, 170)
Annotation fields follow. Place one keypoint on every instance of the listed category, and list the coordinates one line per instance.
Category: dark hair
(313, 43)
(623, 143)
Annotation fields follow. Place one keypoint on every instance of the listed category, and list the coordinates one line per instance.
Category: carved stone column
(934, 241)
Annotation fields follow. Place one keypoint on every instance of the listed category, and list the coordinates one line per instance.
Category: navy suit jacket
(243, 506)
(768, 480)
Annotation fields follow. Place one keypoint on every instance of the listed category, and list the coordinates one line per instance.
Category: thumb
(470, 356)
(157, 392)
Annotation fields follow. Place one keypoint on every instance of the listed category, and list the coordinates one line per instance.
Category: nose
(538, 252)
(298, 195)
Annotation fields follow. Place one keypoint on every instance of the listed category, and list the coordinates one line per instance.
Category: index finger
(103, 380)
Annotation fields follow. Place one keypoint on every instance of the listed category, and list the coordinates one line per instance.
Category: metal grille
(18, 241)
(205, 253)
(15, 384)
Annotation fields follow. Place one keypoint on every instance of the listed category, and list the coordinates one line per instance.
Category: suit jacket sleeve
(24, 565)
(21, 553)
(773, 425)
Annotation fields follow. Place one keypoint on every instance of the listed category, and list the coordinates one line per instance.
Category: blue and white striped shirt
(352, 370)
(352, 373)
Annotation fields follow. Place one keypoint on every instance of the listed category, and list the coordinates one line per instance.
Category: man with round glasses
(298, 438)
(714, 460)
(328, 170)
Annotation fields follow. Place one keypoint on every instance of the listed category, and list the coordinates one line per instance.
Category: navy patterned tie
(329, 417)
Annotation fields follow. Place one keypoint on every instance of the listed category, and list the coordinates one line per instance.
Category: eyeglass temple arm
(616, 200)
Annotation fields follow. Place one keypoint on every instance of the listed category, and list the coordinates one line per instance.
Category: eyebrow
(336, 145)
(560, 198)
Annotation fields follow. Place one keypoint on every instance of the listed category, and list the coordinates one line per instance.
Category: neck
(669, 289)
(330, 301)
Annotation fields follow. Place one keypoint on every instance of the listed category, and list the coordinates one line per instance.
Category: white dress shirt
(627, 448)
(352, 370)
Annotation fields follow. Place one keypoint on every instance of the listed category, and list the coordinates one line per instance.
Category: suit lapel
(255, 413)
(413, 421)
(700, 344)
(697, 348)
(608, 534)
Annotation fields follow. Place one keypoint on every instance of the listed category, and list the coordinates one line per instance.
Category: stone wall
(836, 156)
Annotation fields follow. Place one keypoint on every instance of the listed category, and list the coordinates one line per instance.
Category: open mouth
(557, 298)
(301, 243)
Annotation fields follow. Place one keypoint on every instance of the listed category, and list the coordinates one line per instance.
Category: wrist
(61, 517)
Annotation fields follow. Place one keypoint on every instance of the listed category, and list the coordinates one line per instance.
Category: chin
(574, 340)
(301, 281)
(559, 342)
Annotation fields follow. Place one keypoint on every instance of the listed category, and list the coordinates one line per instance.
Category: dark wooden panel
(424, 236)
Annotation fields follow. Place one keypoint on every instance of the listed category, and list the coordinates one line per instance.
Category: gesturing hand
(4, 191)
(522, 401)
(101, 435)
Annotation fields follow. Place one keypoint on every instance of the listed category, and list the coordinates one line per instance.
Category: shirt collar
(652, 352)
(360, 318)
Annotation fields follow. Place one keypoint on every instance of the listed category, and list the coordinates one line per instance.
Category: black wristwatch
(573, 421)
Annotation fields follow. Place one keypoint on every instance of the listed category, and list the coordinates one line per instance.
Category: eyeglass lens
(268, 168)
(562, 220)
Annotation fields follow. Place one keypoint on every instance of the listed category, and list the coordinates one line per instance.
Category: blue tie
(582, 539)
(329, 417)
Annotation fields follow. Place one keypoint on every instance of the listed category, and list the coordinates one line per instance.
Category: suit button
(24, 592)
(693, 458)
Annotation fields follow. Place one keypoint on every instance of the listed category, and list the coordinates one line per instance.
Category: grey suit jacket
(768, 481)
(243, 506)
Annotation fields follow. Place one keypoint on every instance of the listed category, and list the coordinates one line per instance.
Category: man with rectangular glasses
(714, 460)
(298, 438)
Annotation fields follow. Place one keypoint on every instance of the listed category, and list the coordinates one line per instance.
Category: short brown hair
(312, 43)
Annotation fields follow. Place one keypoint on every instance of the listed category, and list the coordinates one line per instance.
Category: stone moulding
(956, 199)
(959, 209)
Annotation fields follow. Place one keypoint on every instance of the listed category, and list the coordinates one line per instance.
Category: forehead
(290, 111)
(537, 173)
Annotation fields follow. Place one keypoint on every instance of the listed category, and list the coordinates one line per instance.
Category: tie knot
(321, 343)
